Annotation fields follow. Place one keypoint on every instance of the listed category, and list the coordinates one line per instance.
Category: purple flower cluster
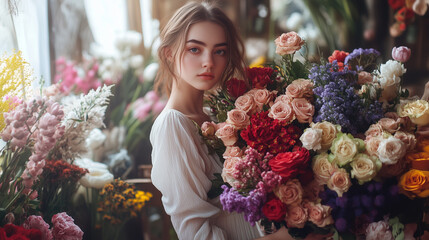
(250, 205)
(363, 204)
(362, 59)
(337, 101)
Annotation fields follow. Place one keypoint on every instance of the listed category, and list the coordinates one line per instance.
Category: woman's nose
(208, 61)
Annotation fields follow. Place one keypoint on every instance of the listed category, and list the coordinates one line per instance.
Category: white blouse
(182, 170)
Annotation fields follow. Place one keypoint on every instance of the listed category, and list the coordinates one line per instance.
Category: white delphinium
(81, 117)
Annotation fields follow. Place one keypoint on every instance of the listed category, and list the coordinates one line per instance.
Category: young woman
(199, 50)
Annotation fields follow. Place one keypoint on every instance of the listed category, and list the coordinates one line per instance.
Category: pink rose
(329, 133)
(340, 182)
(389, 125)
(364, 77)
(296, 216)
(238, 118)
(303, 109)
(371, 145)
(229, 170)
(379, 231)
(374, 130)
(288, 43)
(262, 97)
(300, 88)
(290, 193)
(282, 111)
(233, 152)
(312, 190)
(246, 103)
(391, 150)
(319, 214)
(408, 139)
(282, 98)
(228, 135)
(64, 227)
(208, 129)
(312, 138)
(401, 54)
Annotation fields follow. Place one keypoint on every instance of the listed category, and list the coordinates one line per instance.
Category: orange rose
(415, 183)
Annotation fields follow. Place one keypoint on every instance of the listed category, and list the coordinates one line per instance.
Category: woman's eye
(220, 52)
(194, 50)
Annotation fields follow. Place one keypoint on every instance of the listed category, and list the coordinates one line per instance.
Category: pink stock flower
(401, 54)
(37, 222)
(64, 227)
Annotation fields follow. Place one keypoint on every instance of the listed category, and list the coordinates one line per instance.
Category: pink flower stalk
(64, 227)
(37, 222)
(401, 54)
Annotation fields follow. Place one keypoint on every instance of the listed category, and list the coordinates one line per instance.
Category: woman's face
(204, 58)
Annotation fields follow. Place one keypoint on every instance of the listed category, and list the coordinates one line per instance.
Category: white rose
(98, 175)
(312, 138)
(390, 150)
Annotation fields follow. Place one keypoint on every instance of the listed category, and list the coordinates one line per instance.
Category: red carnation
(260, 77)
(290, 164)
(340, 56)
(274, 209)
(236, 87)
(270, 135)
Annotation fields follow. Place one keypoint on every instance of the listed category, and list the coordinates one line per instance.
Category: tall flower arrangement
(335, 146)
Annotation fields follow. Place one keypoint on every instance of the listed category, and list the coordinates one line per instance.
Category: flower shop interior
(84, 157)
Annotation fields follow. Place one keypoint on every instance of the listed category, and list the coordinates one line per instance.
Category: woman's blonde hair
(173, 36)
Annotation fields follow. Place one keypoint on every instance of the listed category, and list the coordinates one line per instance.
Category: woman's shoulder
(172, 120)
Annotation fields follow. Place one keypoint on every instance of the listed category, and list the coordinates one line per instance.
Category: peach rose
(288, 43)
(262, 97)
(364, 77)
(282, 98)
(300, 88)
(364, 167)
(408, 139)
(232, 152)
(340, 182)
(390, 150)
(229, 171)
(228, 135)
(417, 111)
(319, 214)
(290, 193)
(312, 190)
(303, 109)
(323, 168)
(329, 133)
(371, 145)
(282, 111)
(312, 138)
(374, 130)
(208, 129)
(296, 216)
(238, 118)
(389, 125)
(246, 103)
(415, 183)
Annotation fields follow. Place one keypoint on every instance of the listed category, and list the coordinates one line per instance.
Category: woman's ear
(168, 54)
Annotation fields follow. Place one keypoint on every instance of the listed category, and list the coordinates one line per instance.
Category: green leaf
(216, 189)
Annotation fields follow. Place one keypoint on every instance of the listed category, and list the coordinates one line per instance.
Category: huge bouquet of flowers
(336, 146)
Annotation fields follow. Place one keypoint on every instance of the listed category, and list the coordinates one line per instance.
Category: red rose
(260, 77)
(289, 164)
(396, 4)
(274, 209)
(236, 87)
(340, 56)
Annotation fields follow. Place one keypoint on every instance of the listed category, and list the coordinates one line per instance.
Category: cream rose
(329, 133)
(344, 148)
(312, 138)
(303, 109)
(340, 182)
(246, 103)
(288, 43)
(364, 167)
(390, 150)
(323, 168)
(238, 118)
(296, 216)
(228, 134)
(290, 193)
(319, 214)
(282, 111)
(417, 111)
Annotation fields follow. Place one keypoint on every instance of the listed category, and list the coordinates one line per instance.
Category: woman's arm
(283, 234)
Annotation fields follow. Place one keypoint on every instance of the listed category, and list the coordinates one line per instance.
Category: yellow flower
(15, 81)
(417, 111)
(415, 183)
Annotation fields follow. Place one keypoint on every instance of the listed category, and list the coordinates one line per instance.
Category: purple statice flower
(250, 205)
(337, 100)
(362, 59)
